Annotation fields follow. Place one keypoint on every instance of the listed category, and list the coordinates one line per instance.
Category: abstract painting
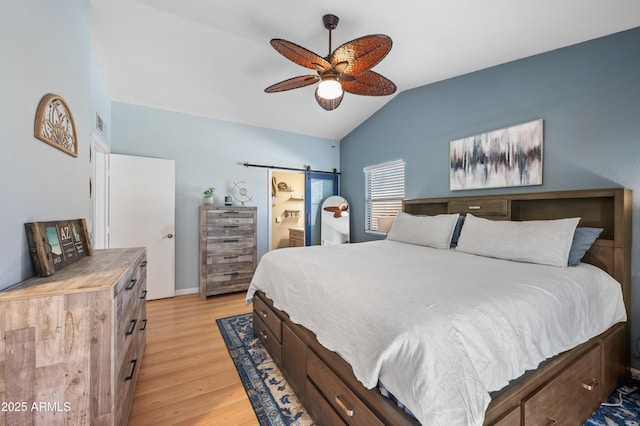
(511, 156)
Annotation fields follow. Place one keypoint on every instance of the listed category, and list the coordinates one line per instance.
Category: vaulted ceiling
(212, 58)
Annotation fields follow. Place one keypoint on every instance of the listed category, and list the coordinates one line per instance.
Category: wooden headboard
(609, 209)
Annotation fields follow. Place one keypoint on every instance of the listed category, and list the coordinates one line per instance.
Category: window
(384, 192)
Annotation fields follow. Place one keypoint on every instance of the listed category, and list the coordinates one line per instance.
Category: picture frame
(54, 124)
(57, 244)
(511, 156)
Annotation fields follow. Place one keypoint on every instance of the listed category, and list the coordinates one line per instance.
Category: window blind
(384, 192)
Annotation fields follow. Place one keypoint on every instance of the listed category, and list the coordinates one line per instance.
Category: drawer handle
(232, 257)
(133, 326)
(349, 412)
(231, 241)
(132, 284)
(263, 313)
(264, 335)
(133, 368)
(143, 264)
(233, 212)
(144, 294)
(144, 325)
(232, 273)
(591, 385)
(473, 207)
(232, 226)
(551, 421)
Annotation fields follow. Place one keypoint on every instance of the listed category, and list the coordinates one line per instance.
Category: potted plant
(208, 195)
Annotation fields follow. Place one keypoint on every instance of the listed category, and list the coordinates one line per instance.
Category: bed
(372, 307)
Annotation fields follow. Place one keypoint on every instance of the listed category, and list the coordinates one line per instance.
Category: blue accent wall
(588, 95)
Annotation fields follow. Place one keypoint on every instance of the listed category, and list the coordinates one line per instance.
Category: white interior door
(142, 214)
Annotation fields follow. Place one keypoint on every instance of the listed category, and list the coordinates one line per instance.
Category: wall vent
(100, 124)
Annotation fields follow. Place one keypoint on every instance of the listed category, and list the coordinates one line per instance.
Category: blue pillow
(583, 239)
(456, 232)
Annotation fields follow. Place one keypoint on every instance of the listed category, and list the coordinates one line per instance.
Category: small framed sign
(54, 245)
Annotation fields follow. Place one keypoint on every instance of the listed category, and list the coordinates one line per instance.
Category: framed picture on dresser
(56, 244)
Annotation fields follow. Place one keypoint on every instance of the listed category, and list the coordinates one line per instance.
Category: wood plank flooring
(187, 376)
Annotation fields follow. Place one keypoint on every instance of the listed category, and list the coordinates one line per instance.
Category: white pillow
(536, 241)
(431, 231)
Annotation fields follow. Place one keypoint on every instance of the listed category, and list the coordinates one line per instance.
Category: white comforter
(439, 329)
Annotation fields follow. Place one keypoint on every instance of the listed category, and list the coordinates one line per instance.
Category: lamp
(329, 87)
(384, 223)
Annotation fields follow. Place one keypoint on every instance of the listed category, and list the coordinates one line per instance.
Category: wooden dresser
(228, 254)
(72, 343)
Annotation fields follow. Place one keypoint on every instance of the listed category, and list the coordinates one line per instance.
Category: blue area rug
(626, 414)
(272, 398)
(275, 403)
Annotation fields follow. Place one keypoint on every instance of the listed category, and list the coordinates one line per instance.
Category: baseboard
(183, 291)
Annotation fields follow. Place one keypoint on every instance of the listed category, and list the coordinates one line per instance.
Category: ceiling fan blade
(329, 104)
(300, 55)
(293, 83)
(369, 83)
(362, 53)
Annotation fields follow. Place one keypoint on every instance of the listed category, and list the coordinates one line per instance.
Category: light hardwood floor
(187, 376)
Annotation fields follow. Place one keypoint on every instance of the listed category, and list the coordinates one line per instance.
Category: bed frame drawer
(493, 208)
(267, 338)
(566, 398)
(268, 317)
(341, 398)
(319, 408)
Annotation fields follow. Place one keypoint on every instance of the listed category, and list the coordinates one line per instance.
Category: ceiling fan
(346, 69)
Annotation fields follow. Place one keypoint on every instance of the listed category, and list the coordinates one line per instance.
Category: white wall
(44, 49)
(212, 152)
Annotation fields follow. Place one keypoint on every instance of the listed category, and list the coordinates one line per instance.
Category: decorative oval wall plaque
(54, 124)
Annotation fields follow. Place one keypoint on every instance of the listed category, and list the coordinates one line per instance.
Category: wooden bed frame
(565, 389)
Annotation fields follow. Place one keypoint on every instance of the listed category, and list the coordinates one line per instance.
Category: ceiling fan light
(329, 88)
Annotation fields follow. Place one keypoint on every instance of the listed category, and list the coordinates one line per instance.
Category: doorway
(287, 209)
(296, 206)
(99, 190)
(319, 187)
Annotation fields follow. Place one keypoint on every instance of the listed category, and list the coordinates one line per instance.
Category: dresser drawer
(243, 256)
(130, 309)
(230, 245)
(268, 317)
(262, 332)
(344, 402)
(126, 379)
(226, 268)
(576, 390)
(494, 207)
(229, 215)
